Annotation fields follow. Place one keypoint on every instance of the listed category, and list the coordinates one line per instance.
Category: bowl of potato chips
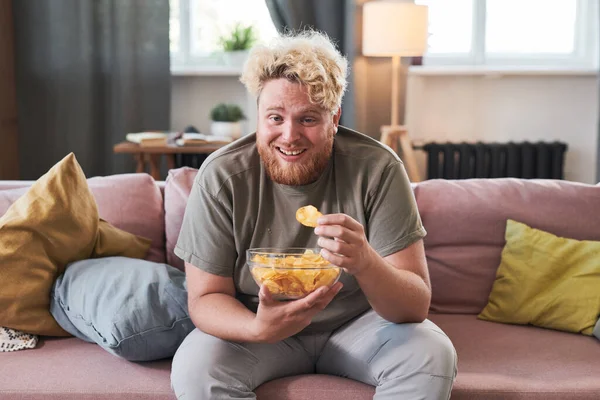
(291, 273)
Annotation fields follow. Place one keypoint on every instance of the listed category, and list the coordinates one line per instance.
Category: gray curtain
(334, 17)
(88, 72)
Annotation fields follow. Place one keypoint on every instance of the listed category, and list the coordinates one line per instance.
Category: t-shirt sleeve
(394, 222)
(206, 238)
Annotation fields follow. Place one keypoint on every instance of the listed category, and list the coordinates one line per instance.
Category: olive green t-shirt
(234, 206)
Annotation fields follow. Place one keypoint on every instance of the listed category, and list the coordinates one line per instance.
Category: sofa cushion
(495, 362)
(111, 241)
(466, 219)
(54, 223)
(314, 387)
(131, 202)
(177, 190)
(510, 362)
(134, 309)
(9, 185)
(547, 281)
(71, 369)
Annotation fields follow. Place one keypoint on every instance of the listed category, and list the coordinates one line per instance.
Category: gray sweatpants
(403, 361)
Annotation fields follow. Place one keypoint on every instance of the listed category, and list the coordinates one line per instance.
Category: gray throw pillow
(134, 309)
(596, 331)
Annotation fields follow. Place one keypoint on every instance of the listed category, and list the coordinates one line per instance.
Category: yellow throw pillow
(54, 223)
(547, 281)
(113, 242)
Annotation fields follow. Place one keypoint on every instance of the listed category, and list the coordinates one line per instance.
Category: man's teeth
(290, 153)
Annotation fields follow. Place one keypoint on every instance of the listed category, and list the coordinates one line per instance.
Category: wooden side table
(391, 136)
(153, 154)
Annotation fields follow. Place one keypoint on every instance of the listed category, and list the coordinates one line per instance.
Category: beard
(299, 173)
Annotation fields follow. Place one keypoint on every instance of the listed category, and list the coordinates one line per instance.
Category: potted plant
(236, 43)
(226, 120)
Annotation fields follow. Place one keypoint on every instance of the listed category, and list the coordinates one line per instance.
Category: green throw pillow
(547, 281)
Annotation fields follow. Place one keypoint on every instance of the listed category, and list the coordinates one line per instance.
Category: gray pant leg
(403, 361)
(208, 368)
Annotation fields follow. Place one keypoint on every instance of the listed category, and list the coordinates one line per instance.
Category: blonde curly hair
(309, 58)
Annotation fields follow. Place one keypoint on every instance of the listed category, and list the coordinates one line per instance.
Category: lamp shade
(394, 28)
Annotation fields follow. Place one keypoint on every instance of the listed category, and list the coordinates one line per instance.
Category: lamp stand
(393, 134)
(395, 88)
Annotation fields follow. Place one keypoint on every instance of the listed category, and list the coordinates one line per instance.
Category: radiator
(495, 160)
(189, 160)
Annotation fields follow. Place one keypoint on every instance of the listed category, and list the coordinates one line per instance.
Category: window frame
(183, 59)
(585, 54)
(185, 62)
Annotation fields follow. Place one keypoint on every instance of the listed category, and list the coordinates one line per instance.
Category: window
(450, 26)
(560, 33)
(196, 25)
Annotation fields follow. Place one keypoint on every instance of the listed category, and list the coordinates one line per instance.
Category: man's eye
(309, 120)
(275, 118)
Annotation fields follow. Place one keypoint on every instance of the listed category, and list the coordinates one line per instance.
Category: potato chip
(293, 276)
(308, 216)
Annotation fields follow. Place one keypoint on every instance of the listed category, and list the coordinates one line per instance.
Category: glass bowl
(291, 273)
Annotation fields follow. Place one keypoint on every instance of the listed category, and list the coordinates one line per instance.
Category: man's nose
(291, 132)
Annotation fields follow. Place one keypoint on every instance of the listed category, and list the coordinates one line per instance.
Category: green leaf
(239, 38)
(226, 113)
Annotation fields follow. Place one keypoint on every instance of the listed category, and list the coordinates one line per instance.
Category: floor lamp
(396, 29)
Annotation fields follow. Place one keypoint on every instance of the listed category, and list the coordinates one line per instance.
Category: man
(371, 325)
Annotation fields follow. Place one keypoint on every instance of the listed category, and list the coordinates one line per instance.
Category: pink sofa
(465, 221)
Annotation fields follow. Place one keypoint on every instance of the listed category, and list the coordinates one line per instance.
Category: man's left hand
(344, 243)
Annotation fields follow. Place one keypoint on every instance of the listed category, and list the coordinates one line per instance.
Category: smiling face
(294, 136)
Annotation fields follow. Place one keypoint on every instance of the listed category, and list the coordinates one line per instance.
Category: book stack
(200, 139)
(149, 139)
(161, 139)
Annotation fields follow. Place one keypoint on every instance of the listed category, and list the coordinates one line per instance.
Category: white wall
(192, 98)
(509, 108)
(442, 108)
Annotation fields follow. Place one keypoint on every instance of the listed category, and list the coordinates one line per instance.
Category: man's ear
(336, 119)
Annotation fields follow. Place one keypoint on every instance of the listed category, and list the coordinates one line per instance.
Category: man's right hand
(278, 320)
